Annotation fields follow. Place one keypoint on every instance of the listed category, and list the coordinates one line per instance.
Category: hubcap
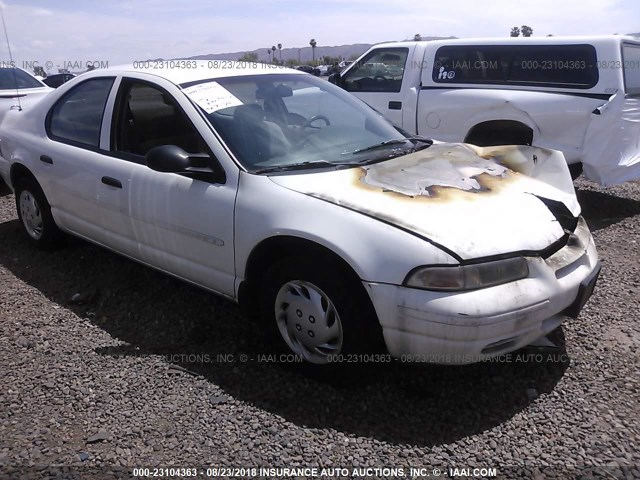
(308, 321)
(31, 215)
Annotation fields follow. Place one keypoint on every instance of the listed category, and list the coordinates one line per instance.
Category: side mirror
(336, 79)
(173, 159)
(168, 158)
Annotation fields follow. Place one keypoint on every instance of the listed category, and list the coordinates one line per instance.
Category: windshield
(290, 121)
(12, 78)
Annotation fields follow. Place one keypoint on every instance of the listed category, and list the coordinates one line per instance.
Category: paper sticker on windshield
(212, 96)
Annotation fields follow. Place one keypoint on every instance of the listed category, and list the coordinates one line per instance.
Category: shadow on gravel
(603, 209)
(414, 404)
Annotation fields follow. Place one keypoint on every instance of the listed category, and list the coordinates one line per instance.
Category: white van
(580, 95)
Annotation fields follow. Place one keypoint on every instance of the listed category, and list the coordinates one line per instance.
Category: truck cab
(578, 95)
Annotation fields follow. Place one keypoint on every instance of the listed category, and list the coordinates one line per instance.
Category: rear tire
(35, 216)
(318, 309)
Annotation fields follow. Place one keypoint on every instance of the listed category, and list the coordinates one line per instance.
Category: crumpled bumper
(467, 327)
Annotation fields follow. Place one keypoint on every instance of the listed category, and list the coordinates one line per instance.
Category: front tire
(319, 309)
(35, 216)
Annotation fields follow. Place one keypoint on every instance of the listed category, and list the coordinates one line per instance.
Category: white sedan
(281, 191)
(18, 88)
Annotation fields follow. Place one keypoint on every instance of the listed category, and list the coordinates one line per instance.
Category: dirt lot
(142, 370)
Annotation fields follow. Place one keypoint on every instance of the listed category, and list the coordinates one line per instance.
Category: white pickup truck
(580, 95)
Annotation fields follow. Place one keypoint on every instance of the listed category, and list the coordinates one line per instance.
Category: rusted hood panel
(454, 194)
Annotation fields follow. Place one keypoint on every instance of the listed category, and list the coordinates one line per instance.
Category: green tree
(313, 44)
(329, 60)
(515, 32)
(526, 30)
(292, 62)
(251, 57)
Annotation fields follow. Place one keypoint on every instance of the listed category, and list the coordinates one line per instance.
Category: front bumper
(467, 327)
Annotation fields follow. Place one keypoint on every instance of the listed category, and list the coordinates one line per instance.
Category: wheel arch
(19, 171)
(489, 132)
(276, 248)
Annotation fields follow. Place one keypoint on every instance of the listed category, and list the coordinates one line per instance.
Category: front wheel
(35, 216)
(319, 309)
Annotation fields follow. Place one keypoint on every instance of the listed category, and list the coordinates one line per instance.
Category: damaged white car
(283, 192)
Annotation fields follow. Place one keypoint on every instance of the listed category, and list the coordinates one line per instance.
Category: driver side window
(380, 71)
(149, 117)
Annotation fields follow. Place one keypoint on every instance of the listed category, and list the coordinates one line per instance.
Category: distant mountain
(303, 54)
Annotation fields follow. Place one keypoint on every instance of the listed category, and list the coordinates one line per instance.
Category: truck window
(558, 66)
(631, 66)
(380, 71)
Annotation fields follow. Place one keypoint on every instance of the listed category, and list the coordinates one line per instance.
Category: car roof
(178, 71)
(565, 39)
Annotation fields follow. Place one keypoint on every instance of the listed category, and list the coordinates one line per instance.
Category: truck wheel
(35, 216)
(318, 310)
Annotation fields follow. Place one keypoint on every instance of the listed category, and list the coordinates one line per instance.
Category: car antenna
(13, 69)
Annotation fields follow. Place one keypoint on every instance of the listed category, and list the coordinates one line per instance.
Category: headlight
(468, 277)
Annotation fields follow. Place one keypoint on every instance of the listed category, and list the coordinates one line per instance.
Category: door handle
(112, 182)
(46, 159)
(395, 105)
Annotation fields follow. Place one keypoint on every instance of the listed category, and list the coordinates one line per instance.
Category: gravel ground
(142, 370)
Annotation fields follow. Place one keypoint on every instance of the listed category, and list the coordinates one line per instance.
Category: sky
(51, 32)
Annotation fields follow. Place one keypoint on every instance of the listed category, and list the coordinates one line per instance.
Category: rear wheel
(35, 216)
(318, 309)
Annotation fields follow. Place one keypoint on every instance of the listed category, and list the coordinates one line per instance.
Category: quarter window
(380, 71)
(77, 117)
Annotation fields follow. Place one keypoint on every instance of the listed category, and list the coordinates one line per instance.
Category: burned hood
(467, 199)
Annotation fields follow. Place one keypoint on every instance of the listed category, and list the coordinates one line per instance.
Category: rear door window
(77, 117)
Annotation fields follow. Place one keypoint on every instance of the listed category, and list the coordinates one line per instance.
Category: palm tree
(273, 53)
(280, 51)
(313, 44)
(268, 52)
(417, 37)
